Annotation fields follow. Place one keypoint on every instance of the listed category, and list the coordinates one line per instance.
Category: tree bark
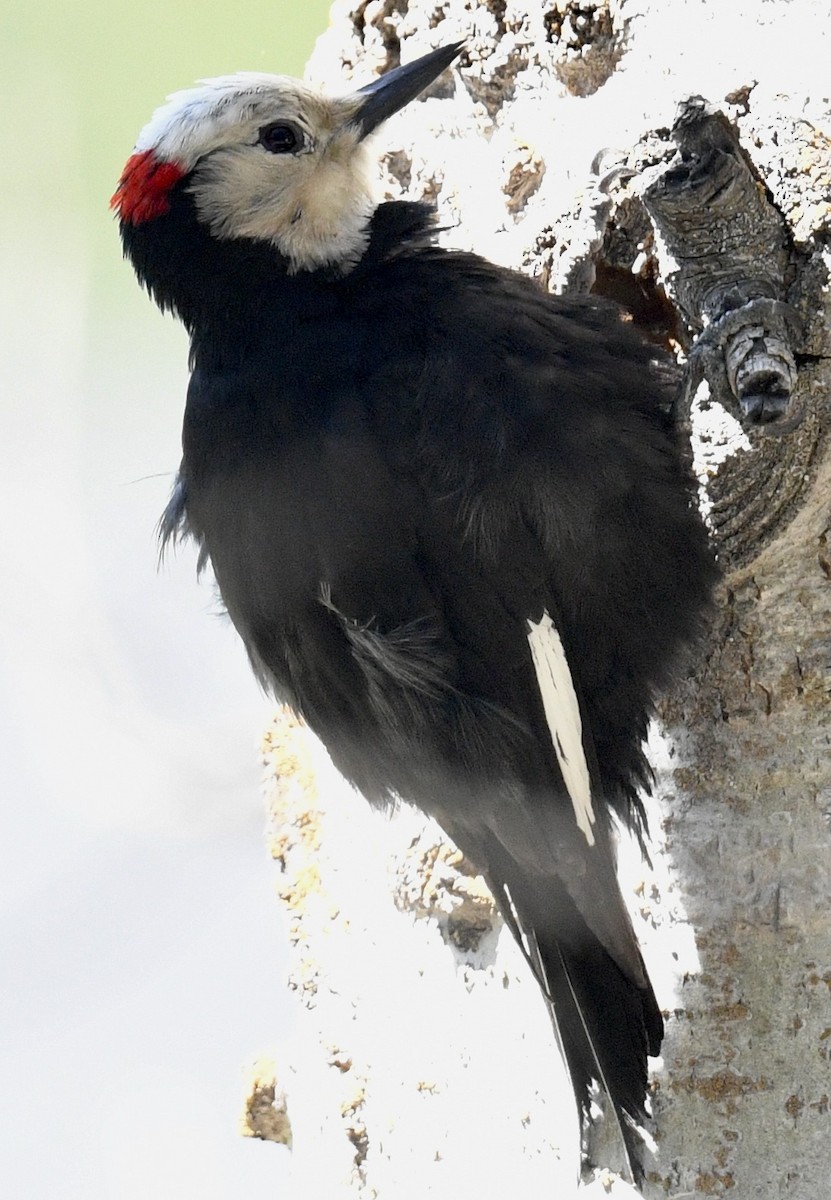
(422, 1062)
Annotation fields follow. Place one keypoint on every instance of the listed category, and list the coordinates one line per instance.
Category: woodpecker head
(266, 158)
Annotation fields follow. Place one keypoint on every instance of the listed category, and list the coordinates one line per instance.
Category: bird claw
(609, 165)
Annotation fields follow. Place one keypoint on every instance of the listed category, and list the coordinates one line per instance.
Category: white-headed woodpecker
(446, 513)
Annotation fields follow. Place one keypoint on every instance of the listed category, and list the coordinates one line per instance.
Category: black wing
(389, 525)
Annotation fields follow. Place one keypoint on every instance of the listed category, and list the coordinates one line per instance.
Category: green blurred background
(82, 78)
(139, 939)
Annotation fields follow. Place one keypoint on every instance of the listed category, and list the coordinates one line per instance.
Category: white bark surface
(422, 1062)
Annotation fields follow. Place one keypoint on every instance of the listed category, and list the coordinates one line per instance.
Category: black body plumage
(393, 471)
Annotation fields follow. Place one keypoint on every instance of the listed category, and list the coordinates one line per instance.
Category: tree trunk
(422, 1062)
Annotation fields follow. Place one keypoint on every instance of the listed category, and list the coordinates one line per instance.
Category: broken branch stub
(730, 250)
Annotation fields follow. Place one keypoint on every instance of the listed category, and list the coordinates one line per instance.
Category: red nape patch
(143, 190)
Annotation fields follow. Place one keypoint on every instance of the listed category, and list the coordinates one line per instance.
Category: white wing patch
(562, 712)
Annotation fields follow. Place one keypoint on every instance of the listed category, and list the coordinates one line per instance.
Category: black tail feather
(606, 1023)
(606, 1026)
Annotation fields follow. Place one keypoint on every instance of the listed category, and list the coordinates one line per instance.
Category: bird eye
(280, 138)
